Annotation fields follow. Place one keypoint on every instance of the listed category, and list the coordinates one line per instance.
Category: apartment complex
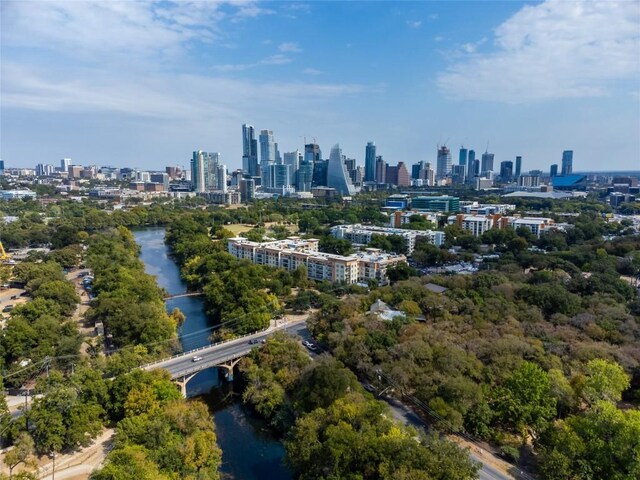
(397, 219)
(294, 252)
(478, 224)
(362, 235)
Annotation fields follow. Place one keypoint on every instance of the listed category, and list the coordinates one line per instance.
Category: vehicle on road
(196, 359)
(254, 341)
(309, 345)
(369, 388)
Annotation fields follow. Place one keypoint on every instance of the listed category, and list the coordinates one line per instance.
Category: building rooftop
(567, 180)
(550, 195)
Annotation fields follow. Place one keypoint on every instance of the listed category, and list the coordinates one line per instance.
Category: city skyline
(80, 82)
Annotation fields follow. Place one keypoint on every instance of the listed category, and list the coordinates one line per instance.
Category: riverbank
(249, 448)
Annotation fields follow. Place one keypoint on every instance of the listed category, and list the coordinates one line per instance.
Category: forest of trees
(333, 428)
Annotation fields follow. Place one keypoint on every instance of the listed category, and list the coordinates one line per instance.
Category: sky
(144, 84)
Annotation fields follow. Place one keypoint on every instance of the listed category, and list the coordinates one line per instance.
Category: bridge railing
(191, 352)
(210, 363)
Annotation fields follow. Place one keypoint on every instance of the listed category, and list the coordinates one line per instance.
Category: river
(249, 450)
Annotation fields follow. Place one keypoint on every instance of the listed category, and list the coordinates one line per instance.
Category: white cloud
(291, 47)
(414, 23)
(471, 47)
(278, 59)
(160, 96)
(87, 28)
(311, 71)
(550, 51)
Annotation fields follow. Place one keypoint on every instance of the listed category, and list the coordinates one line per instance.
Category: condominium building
(537, 225)
(294, 252)
(397, 219)
(476, 224)
(362, 235)
(476, 208)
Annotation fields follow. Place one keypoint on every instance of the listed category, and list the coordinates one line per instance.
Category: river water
(249, 449)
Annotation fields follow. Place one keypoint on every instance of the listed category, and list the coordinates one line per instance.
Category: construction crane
(3, 254)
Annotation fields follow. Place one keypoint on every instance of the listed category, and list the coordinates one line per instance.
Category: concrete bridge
(185, 366)
(182, 295)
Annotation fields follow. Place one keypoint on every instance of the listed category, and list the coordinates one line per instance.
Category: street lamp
(53, 472)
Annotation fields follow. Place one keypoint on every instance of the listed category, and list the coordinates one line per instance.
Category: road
(405, 415)
(184, 364)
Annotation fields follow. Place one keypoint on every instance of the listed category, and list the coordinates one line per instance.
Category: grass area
(238, 228)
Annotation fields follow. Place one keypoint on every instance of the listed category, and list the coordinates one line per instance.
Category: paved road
(405, 415)
(213, 355)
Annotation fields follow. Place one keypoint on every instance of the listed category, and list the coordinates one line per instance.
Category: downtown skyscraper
(337, 175)
(567, 162)
(370, 162)
(443, 164)
(249, 151)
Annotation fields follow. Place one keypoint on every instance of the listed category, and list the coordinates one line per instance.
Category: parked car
(7, 308)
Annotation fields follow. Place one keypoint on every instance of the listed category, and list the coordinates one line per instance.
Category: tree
(22, 452)
(605, 380)
(129, 462)
(400, 271)
(601, 444)
(525, 400)
(322, 384)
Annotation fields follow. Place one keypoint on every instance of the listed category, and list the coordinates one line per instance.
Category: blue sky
(145, 83)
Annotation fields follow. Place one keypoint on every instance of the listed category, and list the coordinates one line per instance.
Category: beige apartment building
(294, 252)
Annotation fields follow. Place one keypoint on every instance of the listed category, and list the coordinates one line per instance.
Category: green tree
(22, 452)
(525, 400)
(605, 380)
(601, 444)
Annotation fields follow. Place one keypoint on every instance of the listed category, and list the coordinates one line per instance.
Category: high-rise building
(221, 178)
(292, 161)
(428, 175)
(200, 171)
(213, 163)
(443, 165)
(518, 166)
(487, 162)
(249, 150)
(458, 174)
(43, 170)
(64, 164)
(506, 171)
(312, 153)
(471, 162)
(337, 176)
(304, 178)
(462, 157)
(319, 173)
(381, 170)
(403, 175)
(415, 170)
(267, 155)
(567, 162)
(247, 189)
(267, 147)
(278, 177)
(391, 175)
(370, 162)
(553, 171)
